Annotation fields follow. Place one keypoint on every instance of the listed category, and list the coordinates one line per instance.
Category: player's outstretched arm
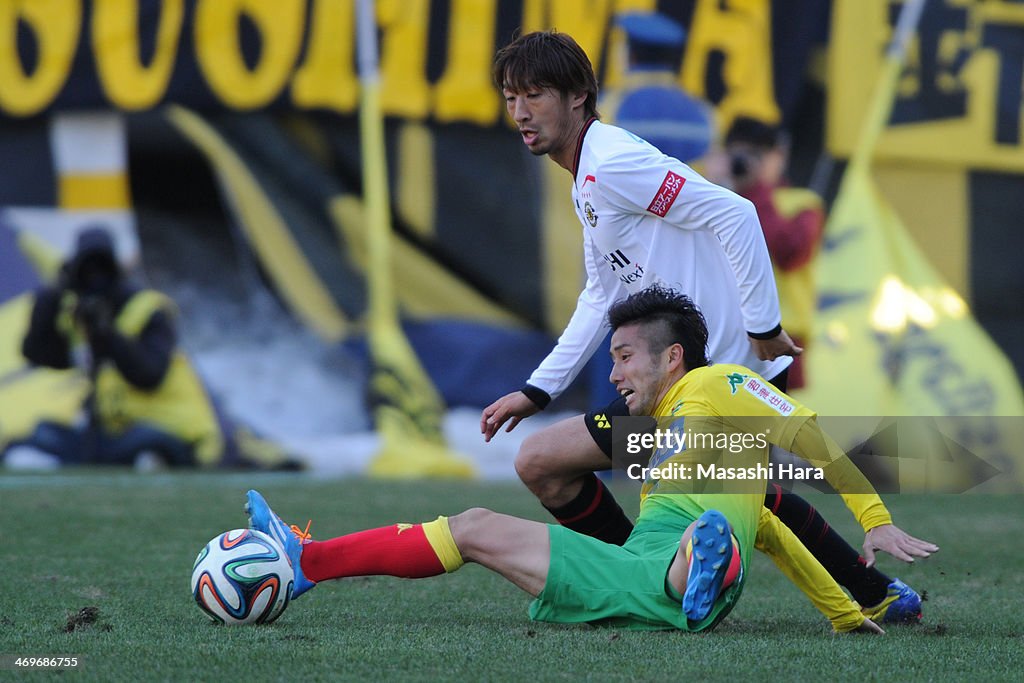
(814, 445)
(515, 407)
(898, 543)
(779, 345)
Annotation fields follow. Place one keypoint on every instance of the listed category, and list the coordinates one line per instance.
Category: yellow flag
(407, 409)
(892, 339)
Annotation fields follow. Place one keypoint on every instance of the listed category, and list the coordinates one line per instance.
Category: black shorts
(599, 422)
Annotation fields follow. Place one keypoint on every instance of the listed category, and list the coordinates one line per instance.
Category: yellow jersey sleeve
(758, 407)
(818, 448)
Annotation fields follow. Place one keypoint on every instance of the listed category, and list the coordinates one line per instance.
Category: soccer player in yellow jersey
(685, 563)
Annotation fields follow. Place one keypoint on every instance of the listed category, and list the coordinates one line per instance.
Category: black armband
(540, 397)
(774, 332)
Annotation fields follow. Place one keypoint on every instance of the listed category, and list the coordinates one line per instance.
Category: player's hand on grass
(869, 626)
(896, 542)
(515, 406)
(779, 345)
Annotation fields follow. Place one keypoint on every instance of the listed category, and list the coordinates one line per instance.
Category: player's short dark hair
(546, 59)
(754, 132)
(670, 318)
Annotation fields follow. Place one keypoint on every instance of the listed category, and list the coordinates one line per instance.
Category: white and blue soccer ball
(242, 577)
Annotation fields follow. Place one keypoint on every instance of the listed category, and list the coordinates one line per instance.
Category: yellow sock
(439, 535)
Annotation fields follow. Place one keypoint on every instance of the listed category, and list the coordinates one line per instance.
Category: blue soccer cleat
(291, 538)
(712, 552)
(902, 605)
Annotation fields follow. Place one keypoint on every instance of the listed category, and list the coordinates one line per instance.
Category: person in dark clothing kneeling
(145, 396)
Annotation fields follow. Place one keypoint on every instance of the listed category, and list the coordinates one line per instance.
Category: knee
(469, 527)
(531, 461)
(472, 517)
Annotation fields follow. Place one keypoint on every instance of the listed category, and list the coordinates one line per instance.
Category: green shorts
(590, 581)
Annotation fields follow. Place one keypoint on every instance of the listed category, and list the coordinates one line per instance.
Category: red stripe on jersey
(579, 147)
(778, 499)
(667, 194)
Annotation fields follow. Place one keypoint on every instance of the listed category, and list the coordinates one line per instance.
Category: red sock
(397, 550)
(733, 572)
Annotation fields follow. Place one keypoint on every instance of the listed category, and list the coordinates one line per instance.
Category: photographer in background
(145, 397)
(793, 220)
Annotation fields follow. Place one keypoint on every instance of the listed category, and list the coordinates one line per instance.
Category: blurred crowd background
(217, 141)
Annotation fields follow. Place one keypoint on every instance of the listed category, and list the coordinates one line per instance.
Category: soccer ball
(242, 577)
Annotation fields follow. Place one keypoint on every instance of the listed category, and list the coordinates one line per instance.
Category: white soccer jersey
(648, 218)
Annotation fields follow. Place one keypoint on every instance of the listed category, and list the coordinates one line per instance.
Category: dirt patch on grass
(87, 616)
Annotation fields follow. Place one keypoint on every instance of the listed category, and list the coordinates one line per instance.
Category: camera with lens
(95, 312)
(747, 143)
(742, 164)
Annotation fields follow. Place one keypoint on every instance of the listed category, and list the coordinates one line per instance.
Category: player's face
(639, 375)
(545, 119)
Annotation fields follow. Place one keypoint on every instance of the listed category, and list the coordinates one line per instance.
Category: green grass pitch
(124, 545)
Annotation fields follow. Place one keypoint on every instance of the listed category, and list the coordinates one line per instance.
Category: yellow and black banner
(267, 91)
(892, 337)
(959, 96)
(745, 56)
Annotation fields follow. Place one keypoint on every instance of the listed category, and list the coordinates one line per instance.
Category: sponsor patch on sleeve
(667, 194)
(766, 395)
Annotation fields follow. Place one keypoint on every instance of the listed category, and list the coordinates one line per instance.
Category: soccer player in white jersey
(648, 218)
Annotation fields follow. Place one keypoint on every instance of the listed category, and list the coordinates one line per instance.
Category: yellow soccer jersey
(722, 417)
(719, 422)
